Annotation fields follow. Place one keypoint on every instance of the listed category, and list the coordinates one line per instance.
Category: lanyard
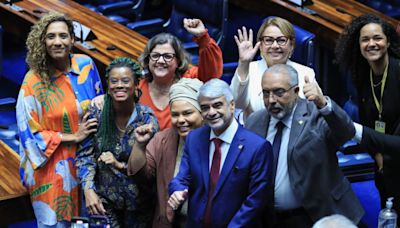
(379, 104)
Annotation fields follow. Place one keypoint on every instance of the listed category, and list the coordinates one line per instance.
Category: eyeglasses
(269, 40)
(276, 92)
(168, 57)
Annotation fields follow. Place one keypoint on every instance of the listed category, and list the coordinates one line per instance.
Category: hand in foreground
(177, 198)
(143, 134)
(194, 27)
(313, 93)
(379, 161)
(87, 127)
(93, 203)
(245, 45)
(109, 159)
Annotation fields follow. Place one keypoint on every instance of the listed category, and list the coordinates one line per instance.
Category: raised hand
(143, 134)
(177, 198)
(194, 26)
(313, 93)
(244, 42)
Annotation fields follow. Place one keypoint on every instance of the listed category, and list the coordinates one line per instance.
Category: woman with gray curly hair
(52, 101)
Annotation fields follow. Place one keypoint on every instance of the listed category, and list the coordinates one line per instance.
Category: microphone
(81, 38)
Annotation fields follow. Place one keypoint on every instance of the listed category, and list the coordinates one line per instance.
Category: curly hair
(347, 50)
(37, 57)
(108, 128)
(181, 54)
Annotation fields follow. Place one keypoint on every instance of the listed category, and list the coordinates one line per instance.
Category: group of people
(165, 149)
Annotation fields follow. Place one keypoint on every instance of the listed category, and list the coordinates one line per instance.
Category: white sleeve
(240, 90)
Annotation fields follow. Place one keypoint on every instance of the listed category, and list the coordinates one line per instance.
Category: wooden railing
(10, 183)
(328, 22)
(127, 42)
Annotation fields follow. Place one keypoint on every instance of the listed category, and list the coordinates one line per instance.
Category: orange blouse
(210, 66)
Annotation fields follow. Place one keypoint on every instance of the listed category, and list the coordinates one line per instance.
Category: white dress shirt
(227, 137)
(285, 198)
(248, 93)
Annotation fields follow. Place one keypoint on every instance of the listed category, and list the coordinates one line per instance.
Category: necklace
(377, 84)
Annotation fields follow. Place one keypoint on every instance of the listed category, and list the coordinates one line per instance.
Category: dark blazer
(243, 185)
(376, 141)
(387, 182)
(313, 167)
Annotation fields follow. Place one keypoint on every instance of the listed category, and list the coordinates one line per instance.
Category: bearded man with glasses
(305, 134)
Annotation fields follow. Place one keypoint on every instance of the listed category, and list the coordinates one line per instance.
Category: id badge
(380, 126)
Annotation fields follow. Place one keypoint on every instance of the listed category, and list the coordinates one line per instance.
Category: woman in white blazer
(276, 42)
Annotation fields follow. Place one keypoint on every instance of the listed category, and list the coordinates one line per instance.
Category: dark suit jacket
(313, 167)
(243, 185)
(376, 141)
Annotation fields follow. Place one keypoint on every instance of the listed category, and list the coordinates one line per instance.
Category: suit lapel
(170, 154)
(262, 126)
(233, 153)
(204, 151)
(298, 123)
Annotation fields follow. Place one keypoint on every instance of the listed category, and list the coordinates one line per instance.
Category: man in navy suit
(225, 169)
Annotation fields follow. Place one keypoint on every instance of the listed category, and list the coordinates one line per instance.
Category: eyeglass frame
(262, 39)
(280, 92)
(163, 55)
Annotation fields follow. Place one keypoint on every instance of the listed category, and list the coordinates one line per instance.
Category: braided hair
(107, 127)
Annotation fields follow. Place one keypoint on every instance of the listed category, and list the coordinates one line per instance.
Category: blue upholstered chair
(304, 51)
(8, 122)
(390, 8)
(213, 13)
(120, 11)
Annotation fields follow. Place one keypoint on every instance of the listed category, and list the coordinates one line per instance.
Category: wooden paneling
(329, 21)
(10, 184)
(127, 42)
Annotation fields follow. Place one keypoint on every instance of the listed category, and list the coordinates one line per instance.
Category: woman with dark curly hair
(370, 48)
(102, 159)
(54, 96)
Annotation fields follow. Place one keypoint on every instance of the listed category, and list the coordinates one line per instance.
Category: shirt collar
(73, 70)
(228, 135)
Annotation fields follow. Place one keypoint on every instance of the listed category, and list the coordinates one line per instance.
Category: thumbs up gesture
(313, 93)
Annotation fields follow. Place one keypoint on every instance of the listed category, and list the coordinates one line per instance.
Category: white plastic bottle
(388, 216)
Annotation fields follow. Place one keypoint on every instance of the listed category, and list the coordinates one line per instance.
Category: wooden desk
(10, 183)
(15, 204)
(127, 42)
(327, 24)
